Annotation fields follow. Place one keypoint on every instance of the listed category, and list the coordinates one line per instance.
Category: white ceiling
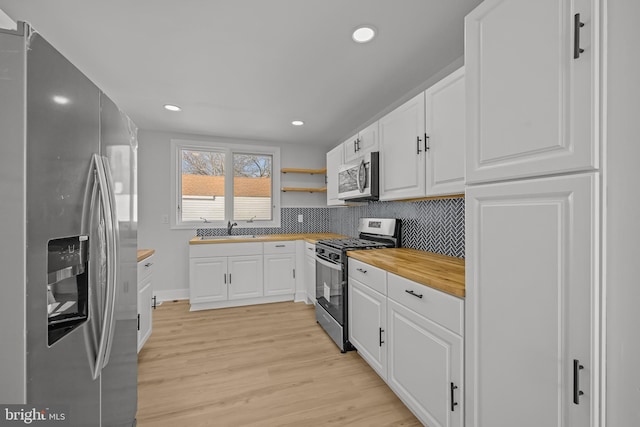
(247, 68)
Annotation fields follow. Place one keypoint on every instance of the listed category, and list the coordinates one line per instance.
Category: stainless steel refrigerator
(68, 298)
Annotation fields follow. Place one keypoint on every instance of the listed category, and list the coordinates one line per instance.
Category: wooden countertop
(309, 237)
(437, 271)
(145, 253)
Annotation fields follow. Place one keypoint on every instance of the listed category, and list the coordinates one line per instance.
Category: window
(217, 183)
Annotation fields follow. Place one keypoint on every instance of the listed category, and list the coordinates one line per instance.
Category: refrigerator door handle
(91, 205)
(113, 258)
(104, 317)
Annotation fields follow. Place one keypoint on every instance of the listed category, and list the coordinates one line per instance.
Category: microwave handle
(360, 182)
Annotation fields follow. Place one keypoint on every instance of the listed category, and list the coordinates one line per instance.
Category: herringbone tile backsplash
(428, 225)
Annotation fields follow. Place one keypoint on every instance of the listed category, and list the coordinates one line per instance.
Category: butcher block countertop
(309, 237)
(440, 272)
(145, 253)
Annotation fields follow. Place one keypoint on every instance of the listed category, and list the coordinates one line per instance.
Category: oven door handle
(329, 264)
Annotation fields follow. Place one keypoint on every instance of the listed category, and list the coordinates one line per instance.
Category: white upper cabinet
(350, 149)
(334, 159)
(364, 142)
(532, 92)
(402, 151)
(445, 127)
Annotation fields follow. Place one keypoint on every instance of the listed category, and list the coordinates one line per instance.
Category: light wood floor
(263, 365)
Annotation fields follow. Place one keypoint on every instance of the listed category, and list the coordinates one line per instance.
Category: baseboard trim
(171, 295)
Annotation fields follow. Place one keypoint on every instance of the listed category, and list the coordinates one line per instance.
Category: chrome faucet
(230, 227)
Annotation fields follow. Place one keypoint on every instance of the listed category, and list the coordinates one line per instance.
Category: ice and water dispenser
(67, 285)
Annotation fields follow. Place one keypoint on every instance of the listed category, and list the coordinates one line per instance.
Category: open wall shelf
(322, 171)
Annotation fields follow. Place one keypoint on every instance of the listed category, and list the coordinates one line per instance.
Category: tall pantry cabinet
(532, 213)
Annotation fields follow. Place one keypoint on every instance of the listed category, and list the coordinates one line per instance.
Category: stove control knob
(334, 256)
(319, 250)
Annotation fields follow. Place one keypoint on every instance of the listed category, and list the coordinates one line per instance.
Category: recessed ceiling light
(172, 107)
(297, 122)
(364, 34)
(62, 100)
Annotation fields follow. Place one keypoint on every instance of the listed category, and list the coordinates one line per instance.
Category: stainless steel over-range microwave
(359, 181)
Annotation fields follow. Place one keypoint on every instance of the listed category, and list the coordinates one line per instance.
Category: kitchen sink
(235, 236)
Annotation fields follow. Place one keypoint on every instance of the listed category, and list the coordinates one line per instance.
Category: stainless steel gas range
(331, 273)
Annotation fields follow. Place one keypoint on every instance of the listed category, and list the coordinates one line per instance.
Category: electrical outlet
(300, 218)
(165, 219)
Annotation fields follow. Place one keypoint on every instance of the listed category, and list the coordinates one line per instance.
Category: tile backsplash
(315, 220)
(429, 225)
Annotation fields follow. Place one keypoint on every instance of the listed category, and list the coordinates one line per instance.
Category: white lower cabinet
(220, 274)
(412, 336)
(310, 271)
(208, 279)
(145, 300)
(368, 325)
(234, 274)
(225, 278)
(425, 366)
(279, 268)
(245, 276)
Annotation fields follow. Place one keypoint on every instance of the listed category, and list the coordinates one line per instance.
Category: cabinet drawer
(310, 249)
(437, 306)
(288, 247)
(371, 276)
(144, 268)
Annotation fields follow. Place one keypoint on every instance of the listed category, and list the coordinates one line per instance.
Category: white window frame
(177, 145)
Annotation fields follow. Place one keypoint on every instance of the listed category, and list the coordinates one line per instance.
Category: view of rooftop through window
(203, 186)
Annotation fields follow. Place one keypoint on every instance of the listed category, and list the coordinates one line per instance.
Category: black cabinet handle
(413, 293)
(453, 401)
(380, 336)
(577, 367)
(361, 270)
(155, 302)
(355, 146)
(418, 145)
(149, 264)
(576, 36)
(426, 142)
(138, 322)
(294, 273)
(229, 278)
(225, 278)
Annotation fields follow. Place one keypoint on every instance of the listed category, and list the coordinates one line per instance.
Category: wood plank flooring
(262, 365)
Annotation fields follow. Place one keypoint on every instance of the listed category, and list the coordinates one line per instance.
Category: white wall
(170, 278)
(622, 227)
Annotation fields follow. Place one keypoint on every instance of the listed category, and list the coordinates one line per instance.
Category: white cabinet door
(531, 286)
(350, 149)
(402, 156)
(334, 160)
(445, 126)
(310, 272)
(364, 142)
(207, 279)
(532, 107)
(245, 276)
(145, 302)
(425, 367)
(368, 325)
(368, 139)
(279, 274)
